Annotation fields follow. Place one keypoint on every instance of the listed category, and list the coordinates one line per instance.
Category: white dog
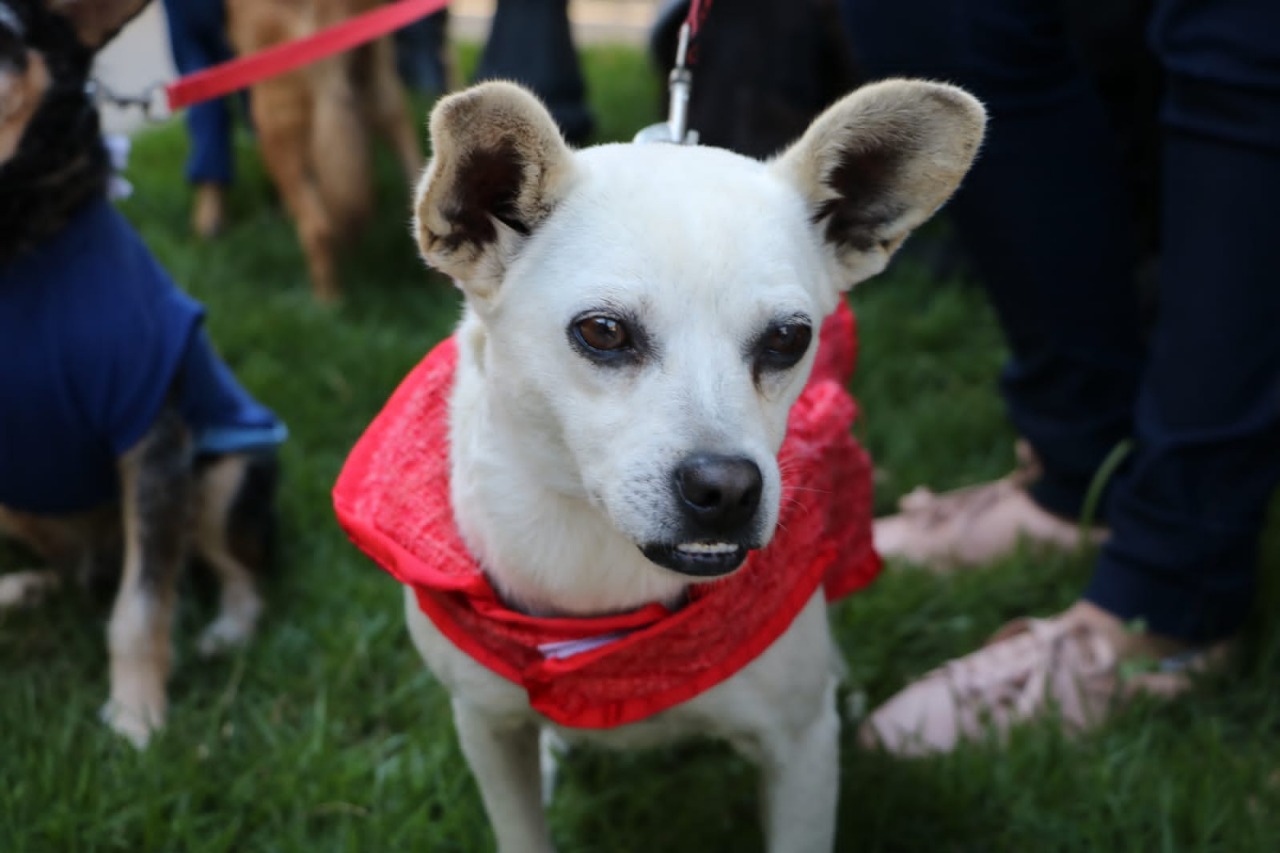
(639, 322)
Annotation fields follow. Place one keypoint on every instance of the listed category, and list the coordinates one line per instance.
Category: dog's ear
(879, 162)
(499, 168)
(97, 21)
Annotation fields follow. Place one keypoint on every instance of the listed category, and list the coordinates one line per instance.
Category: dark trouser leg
(420, 53)
(1044, 215)
(1187, 512)
(530, 43)
(197, 38)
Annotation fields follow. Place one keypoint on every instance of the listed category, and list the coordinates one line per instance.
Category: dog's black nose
(720, 493)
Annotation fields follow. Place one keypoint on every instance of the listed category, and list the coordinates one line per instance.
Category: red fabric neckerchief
(392, 498)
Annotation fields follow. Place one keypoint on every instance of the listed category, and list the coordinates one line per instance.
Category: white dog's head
(649, 313)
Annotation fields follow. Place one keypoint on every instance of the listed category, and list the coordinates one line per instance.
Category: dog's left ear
(500, 166)
(878, 163)
(97, 21)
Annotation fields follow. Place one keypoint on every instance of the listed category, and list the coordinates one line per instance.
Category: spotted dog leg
(155, 500)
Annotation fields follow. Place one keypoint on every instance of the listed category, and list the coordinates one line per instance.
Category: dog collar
(392, 498)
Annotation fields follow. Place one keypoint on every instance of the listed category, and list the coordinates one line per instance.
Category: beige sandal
(1032, 668)
(978, 524)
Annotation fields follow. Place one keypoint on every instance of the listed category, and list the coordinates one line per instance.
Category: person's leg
(197, 39)
(1043, 214)
(421, 58)
(530, 42)
(1187, 511)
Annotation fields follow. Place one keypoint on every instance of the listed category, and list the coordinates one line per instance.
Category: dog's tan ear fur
(879, 162)
(499, 168)
(97, 21)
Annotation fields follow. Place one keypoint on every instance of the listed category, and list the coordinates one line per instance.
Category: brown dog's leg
(340, 150)
(223, 486)
(155, 499)
(83, 546)
(385, 102)
(25, 588)
(281, 112)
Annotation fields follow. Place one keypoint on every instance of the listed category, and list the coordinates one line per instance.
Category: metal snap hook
(679, 87)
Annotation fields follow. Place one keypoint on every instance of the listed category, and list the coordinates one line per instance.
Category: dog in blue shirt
(127, 447)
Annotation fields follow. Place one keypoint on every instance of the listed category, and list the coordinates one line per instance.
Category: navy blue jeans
(530, 42)
(1045, 216)
(198, 39)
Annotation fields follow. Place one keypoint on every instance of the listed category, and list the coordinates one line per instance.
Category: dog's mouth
(698, 559)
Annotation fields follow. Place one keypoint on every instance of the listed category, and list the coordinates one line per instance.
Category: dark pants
(531, 43)
(198, 39)
(1046, 218)
(420, 53)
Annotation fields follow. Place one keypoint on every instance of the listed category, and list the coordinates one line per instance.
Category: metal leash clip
(679, 86)
(152, 101)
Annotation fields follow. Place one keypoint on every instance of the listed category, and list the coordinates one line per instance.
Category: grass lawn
(327, 734)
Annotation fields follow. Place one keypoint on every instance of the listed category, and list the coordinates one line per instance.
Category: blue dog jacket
(94, 336)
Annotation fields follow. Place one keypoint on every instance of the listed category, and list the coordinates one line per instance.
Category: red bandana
(392, 498)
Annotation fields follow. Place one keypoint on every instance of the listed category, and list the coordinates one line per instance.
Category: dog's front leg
(155, 480)
(504, 758)
(220, 484)
(801, 784)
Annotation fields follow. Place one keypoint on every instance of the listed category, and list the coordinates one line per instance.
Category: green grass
(326, 734)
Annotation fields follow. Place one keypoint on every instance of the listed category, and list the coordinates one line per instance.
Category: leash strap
(680, 84)
(697, 16)
(236, 74)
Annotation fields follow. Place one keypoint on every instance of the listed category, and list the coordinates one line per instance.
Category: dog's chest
(775, 692)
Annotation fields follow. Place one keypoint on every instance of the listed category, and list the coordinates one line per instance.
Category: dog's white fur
(561, 468)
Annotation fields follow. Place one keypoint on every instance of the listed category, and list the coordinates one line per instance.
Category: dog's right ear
(97, 21)
(499, 168)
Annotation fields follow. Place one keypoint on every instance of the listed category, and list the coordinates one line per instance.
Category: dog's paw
(134, 722)
(551, 749)
(229, 631)
(24, 589)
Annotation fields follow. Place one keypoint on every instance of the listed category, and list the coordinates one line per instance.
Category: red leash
(698, 15)
(228, 77)
(698, 10)
(680, 83)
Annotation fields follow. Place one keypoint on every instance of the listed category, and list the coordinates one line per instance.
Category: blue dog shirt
(94, 336)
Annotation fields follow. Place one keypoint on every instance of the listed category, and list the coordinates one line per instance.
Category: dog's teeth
(707, 548)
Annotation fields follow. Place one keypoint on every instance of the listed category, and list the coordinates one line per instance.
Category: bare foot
(208, 212)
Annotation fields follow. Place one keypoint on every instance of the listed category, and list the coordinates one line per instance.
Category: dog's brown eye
(605, 334)
(783, 345)
(788, 339)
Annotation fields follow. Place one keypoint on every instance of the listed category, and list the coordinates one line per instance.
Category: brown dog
(315, 125)
(126, 446)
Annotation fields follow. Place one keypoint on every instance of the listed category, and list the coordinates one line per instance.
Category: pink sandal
(978, 524)
(1032, 668)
